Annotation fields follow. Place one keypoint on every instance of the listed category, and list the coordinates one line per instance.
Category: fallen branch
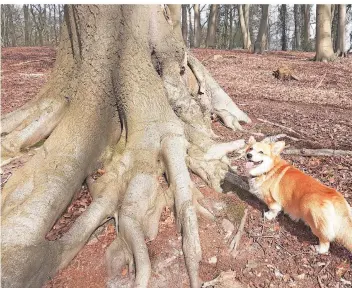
(321, 81)
(317, 152)
(280, 126)
(236, 240)
(313, 144)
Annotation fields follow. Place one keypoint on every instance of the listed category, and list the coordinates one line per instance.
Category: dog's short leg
(323, 247)
(275, 209)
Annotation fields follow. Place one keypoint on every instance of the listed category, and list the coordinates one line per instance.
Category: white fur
(323, 248)
(275, 209)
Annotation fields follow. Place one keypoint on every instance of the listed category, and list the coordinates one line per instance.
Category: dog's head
(261, 156)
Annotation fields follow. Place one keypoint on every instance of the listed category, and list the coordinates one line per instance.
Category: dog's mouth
(251, 164)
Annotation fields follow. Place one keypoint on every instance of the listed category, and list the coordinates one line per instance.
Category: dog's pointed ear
(251, 140)
(277, 147)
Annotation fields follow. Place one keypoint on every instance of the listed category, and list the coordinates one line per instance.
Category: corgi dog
(283, 187)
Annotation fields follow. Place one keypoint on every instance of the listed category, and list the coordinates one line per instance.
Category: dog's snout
(249, 155)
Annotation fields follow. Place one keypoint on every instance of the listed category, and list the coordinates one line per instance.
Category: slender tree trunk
(283, 14)
(243, 12)
(191, 30)
(116, 97)
(226, 24)
(305, 9)
(184, 24)
(55, 25)
(324, 50)
(212, 26)
(26, 24)
(197, 26)
(297, 27)
(341, 31)
(231, 27)
(11, 26)
(261, 41)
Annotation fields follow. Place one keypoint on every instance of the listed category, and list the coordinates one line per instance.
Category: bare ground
(272, 254)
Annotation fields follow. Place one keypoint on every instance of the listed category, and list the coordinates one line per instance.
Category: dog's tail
(345, 237)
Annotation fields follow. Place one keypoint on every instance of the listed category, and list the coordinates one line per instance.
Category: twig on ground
(317, 152)
(280, 126)
(324, 268)
(321, 81)
(236, 240)
(7, 178)
(321, 285)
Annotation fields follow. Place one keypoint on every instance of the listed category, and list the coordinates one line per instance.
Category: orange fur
(302, 197)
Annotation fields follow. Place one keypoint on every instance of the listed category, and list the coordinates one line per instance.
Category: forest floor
(271, 254)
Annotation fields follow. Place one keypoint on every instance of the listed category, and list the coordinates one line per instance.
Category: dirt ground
(271, 254)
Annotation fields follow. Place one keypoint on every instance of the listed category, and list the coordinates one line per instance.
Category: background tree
(305, 12)
(341, 49)
(297, 35)
(197, 26)
(261, 41)
(118, 96)
(212, 26)
(324, 50)
(283, 19)
(243, 12)
(184, 23)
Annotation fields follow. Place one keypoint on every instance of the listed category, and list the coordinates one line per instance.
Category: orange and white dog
(283, 187)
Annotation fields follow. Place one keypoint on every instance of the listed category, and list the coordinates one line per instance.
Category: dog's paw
(270, 215)
(322, 248)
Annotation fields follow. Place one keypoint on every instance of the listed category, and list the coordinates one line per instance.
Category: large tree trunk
(261, 41)
(324, 50)
(297, 42)
(115, 98)
(184, 23)
(305, 12)
(197, 26)
(283, 14)
(243, 12)
(341, 33)
(212, 26)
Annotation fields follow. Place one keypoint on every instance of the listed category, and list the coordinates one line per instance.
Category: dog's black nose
(249, 155)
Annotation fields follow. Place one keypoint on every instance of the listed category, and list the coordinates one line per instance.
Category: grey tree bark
(231, 27)
(120, 98)
(341, 31)
(261, 41)
(243, 12)
(197, 26)
(283, 14)
(184, 23)
(305, 12)
(297, 42)
(26, 25)
(324, 50)
(212, 26)
(191, 30)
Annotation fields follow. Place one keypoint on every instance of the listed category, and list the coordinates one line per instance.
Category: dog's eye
(250, 149)
(261, 152)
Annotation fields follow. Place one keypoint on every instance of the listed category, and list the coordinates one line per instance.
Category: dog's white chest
(255, 188)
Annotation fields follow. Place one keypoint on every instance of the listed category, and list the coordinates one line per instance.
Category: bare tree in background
(212, 26)
(305, 17)
(243, 12)
(190, 26)
(297, 36)
(323, 46)
(261, 41)
(197, 25)
(341, 33)
(184, 23)
(283, 17)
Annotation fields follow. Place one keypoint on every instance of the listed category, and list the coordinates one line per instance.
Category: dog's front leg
(275, 209)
